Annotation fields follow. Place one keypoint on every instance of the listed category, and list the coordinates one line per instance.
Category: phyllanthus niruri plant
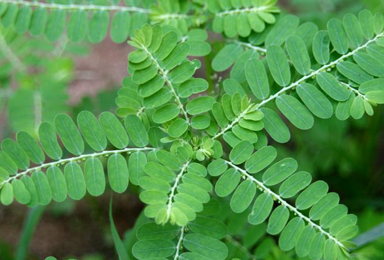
(190, 144)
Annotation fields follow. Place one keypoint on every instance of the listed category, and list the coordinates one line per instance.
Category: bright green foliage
(241, 17)
(68, 177)
(171, 125)
(325, 216)
(89, 22)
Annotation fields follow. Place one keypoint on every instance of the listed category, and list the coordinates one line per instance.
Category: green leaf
(366, 23)
(344, 222)
(114, 130)
(357, 108)
(261, 159)
(94, 176)
(257, 78)
(69, 134)
(159, 171)
(7, 163)
(57, 183)
(320, 47)
(295, 183)
(241, 152)
(375, 96)
(158, 248)
(167, 45)
(278, 220)
(9, 17)
(372, 85)
(23, 19)
(16, 153)
(48, 140)
(7, 194)
(77, 25)
(217, 167)
(178, 54)
(98, 26)
(200, 105)
(315, 100)
(136, 163)
(192, 86)
(55, 24)
(333, 215)
(178, 128)
(226, 57)
(38, 21)
(120, 26)
(284, 28)
(316, 249)
(31, 147)
(197, 243)
(118, 174)
(200, 122)
(353, 72)
(279, 171)
(324, 205)
(92, 131)
(278, 65)
(261, 209)
(311, 195)
(238, 70)
(152, 231)
(332, 87)
(291, 233)
(43, 190)
(305, 240)
(230, 28)
(75, 181)
(275, 127)
(343, 108)
(166, 113)
(297, 51)
(231, 87)
(296, 112)
(243, 196)
(369, 64)
(227, 182)
(30, 186)
(136, 130)
(210, 227)
(353, 29)
(184, 71)
(20, 192)
(338, 36)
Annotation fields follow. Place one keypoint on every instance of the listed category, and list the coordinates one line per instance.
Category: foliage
(201, 155)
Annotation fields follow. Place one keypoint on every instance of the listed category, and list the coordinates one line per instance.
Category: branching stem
(264, 188)
(164, 75)
(74, 159)
(313, 74)
(174, 187)
(78, 7)
(178, 246)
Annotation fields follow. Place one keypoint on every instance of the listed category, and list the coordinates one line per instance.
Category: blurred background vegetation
(44, 79)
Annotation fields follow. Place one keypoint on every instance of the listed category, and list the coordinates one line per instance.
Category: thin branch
(264, 188)
(74, 159)
(242, 248)
(249, 46)
(173, 190)
(164, 75)
(9, 55)
(313, 74)
(243, 10)
(78, 7)
(178, 246)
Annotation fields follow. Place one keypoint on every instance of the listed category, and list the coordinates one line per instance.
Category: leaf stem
(244, 10)
(8, 53)
(78, 7)
(74, 159)
(164, 75)
(178, 246)
(326, 67)
(174, 187)
(265, 189)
